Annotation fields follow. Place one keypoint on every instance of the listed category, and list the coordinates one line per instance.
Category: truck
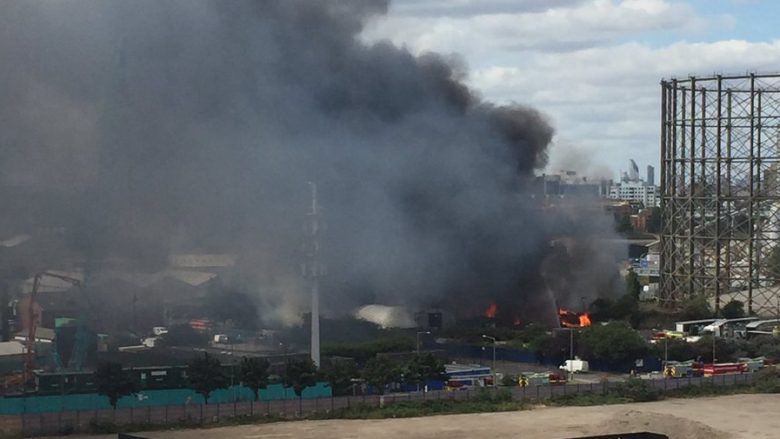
(680, 369)
(575, 365)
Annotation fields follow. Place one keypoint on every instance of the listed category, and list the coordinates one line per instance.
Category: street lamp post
(713, 345)
(666, 352)
(418, 339)
(493, 340)
(571, 354)
(232, 369)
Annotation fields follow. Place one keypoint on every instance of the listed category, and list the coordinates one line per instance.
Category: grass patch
(588, 399)
(709, 390)
(108, 427)
(485, 401)
(635, 390)
(632, 390)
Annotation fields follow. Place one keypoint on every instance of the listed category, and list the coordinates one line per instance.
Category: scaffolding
(719, 190)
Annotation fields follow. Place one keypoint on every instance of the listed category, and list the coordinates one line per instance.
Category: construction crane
(32, 318)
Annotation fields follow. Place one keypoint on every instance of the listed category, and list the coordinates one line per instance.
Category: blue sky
(592, 66)
(754, 20)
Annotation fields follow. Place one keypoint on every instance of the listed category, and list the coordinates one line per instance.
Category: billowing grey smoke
(183, 125)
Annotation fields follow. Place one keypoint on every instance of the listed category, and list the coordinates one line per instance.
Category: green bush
(484, 402)
(707, 389)
(496, 395)
(637, 390)
(767, 380)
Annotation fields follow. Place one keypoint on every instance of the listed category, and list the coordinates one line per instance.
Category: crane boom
(32, 321)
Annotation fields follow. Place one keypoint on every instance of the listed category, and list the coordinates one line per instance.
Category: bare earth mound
(736, 416)
(631, 421)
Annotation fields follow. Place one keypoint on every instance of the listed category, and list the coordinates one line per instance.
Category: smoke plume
(179, 125)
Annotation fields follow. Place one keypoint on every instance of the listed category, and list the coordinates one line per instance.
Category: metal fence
(66, 422)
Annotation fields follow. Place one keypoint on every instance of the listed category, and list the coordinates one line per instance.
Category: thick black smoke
(180, 125)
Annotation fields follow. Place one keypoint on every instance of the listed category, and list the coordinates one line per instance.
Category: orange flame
(490, 312)
(571, 319)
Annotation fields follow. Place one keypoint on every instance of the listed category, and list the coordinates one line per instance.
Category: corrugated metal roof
(194, 278)
(11, 348)
(40, 333)
(15, 240)
(196, 260)
(48, 283)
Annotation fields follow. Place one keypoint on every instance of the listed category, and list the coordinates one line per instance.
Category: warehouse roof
(11, 348)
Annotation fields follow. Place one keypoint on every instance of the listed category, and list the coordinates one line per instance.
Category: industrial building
(720, 197)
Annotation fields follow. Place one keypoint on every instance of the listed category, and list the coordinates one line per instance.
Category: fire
(490, 312)
(571, 319)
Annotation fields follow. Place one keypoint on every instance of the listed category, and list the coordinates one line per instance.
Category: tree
(725, 350)
(601, 309)
(254, 374)
(675, 349)
(426, 367)
(340, 375)
(695, 308)
(654, 221)
(624, 307)
(205, 375)
(633, 287)
(379, 372)
(299, 375)
(614, 342)
(552, 347)
(112, 381)
(624, 224)
(733, 310)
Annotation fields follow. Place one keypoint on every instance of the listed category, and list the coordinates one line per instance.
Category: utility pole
(713, 345)
(313, 269)
(418, 339)
(492, 339)
(666, 351)
(571, 354)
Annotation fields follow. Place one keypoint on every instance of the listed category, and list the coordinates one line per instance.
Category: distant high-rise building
(633, 171)
(632, 188)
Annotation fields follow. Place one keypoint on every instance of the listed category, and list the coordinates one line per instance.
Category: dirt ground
(737, 416)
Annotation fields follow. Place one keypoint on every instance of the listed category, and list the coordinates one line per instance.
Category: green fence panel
(150, 398)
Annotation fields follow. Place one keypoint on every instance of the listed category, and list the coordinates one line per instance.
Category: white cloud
(578, 61)
(584, 24)
(439, 8)
(608, 98)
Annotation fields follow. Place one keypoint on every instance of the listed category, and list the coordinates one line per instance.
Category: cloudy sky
(593, 66)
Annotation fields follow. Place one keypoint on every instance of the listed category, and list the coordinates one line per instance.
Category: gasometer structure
(720, 191)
